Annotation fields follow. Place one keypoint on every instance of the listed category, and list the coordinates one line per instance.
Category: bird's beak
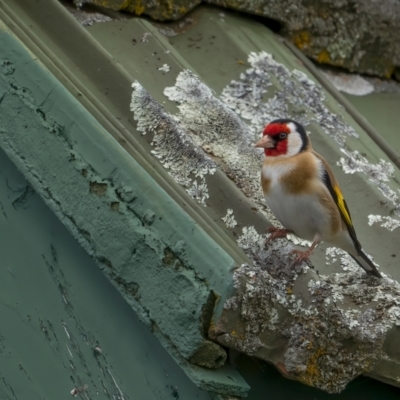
(266, 142)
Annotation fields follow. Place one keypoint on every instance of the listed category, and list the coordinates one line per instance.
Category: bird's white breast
(301, 213)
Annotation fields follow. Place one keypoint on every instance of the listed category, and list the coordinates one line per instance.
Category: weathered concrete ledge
(165, 266)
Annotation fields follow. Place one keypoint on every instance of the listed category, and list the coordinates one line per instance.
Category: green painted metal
(382, 112)
(56, 307)
(161, 261)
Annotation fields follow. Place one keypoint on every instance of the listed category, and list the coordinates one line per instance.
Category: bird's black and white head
(284, 138)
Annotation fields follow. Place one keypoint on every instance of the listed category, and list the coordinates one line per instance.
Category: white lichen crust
(390, 223)
(177, 151)
(221, 134)
(164, 68)
(258, 99)
(324, 336)
(229, 219)
(379, 175)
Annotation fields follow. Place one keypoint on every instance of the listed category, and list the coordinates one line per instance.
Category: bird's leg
(275, 233)
(304, 255)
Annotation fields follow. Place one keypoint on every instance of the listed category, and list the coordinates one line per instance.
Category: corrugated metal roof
(98, 70)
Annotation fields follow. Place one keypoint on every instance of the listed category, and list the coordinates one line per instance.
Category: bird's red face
(283, 138)
(275, 139)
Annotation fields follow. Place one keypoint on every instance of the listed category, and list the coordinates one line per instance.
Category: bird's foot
(301, 256)
(276, 233)
(305, 255)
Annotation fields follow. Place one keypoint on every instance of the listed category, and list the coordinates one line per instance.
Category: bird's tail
(364, 262)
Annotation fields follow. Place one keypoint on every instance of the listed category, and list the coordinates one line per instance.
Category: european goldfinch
(304, 195)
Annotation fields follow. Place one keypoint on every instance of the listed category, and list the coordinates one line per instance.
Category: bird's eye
(282, 135)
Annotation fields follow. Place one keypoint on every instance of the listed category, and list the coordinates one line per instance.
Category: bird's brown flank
(301, 179)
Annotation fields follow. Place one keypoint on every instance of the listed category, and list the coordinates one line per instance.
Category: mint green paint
(56, 306)
(81, 173)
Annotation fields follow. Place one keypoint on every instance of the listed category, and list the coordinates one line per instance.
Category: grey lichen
(87, 18)
(380, 175)
(296, 96)
(177, 151)
(214, 125)
(219, 131)
(324, 338)
(146, 37)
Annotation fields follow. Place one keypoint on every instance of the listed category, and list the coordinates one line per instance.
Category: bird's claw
(300, 256)
(276, 233)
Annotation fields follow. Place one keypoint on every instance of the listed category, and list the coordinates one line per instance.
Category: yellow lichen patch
(112, 4)
(324, 57)
(136, 7)
(324, 14)
(239, 337)
(125, 4)
(169, 5)
(389, 71)
(301, 39)
(312, 372)
(182, 10)
(289, 290)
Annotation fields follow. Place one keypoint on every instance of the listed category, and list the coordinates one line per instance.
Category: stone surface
(358, 35)
(323, 330)
(209, 355)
